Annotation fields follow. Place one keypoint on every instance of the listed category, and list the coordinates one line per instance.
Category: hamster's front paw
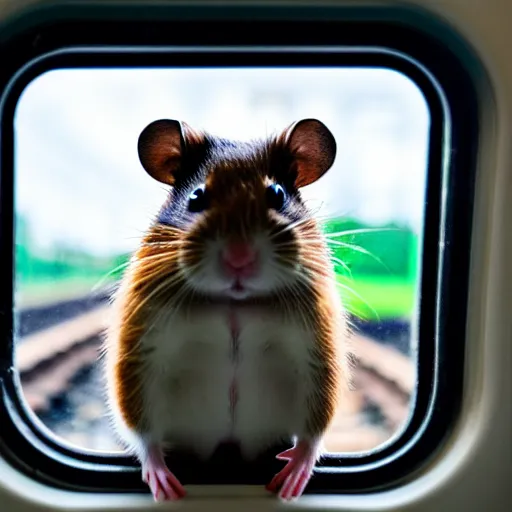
(163, 484)
(294, 477)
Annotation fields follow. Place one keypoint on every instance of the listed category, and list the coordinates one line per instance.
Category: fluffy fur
(191, 361)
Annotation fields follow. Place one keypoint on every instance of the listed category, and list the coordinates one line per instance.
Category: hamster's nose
(239, 259)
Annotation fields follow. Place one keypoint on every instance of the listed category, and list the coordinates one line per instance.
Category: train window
(83, 202)
(75, 191)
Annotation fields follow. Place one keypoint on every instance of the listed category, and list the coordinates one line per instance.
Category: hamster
(227, 324)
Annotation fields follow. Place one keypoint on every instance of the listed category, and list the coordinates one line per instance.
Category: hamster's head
(234, 224)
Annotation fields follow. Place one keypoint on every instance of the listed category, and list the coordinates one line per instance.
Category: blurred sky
(79, 179)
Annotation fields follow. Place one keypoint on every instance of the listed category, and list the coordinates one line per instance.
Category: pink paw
(163, 484)
(294, 477)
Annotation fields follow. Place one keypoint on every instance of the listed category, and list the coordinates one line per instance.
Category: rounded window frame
(49, 42)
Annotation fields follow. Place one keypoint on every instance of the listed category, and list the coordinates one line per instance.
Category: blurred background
(83, 201)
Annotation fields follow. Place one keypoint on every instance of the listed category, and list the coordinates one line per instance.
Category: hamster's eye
(198, 200)
(276, 196)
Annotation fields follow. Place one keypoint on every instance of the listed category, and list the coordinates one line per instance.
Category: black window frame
(408, 40)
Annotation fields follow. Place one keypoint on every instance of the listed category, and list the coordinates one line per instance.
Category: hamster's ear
(161, 148)
(313, 150)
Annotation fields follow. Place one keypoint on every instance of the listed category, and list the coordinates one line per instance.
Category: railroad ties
(375, 409)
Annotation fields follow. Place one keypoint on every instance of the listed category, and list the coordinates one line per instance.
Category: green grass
(368, 297)
(378, 297)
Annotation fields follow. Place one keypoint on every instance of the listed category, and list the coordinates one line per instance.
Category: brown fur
(153, 264)
(236, 188)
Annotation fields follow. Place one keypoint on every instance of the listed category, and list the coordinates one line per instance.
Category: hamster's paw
(294, 477)
(163, 484)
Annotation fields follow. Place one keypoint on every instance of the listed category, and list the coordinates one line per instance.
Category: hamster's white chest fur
(226, 373)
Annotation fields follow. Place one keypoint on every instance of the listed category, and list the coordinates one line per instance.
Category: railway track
(50, 358)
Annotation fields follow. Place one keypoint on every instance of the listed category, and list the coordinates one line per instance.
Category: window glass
(83, 201)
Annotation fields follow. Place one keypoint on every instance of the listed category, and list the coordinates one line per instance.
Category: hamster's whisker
(157, 245)
(304, 307)
(289, 227)
(172, 243)
(304, 239)
(159, 227)
(106, 276)
(165, 262)
(310, 260)
(154, 271)
(286, 245)
(283, 300)
(309, 235)
(192, 259)
(360, 249)
(158, 256)
(175, 300)
(342, 264)
(292, 289)
(162, 238)
(306, 279)
(314, 261)
(360, 231)
(314, 210)
(187, 292)
(165, 284)
(160, 310)
(312, 254)
(284, 286)
(157, 277)
(362, 299)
